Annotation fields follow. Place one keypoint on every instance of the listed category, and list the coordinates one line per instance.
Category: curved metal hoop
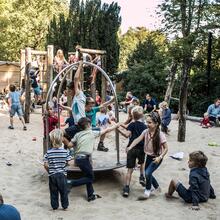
(67, 70)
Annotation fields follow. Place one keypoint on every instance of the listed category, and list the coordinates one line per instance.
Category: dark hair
(70, 85)
(89, 100)
(1, 199)
(199, 158)
(83, 123)
(156, 138)
(12, 88)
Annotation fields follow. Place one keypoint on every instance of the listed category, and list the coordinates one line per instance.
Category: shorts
(37, 91)
(184, 193)
(134, 154)
(16, 109)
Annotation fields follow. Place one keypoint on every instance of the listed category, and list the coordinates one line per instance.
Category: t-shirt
(85, 141)
(103, 120)
(8, 212)
(52, 122)
(148, 144)
(78, 106)
(15, 97)
(92, 115)
(57, 159)
(149, 104)
(213, 110)
(70, 121)
(136, 128)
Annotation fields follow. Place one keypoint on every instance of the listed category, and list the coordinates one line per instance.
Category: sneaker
(126, 191)
(157, 190)
(142, 181)
(147, 193)
(10, 127)
(101, 147)
(93, 197)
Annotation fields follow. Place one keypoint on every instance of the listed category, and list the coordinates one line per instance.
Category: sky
(137, 13)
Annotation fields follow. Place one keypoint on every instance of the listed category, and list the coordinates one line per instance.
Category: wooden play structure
(46, 73)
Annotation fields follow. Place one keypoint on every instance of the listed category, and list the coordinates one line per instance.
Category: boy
(55, 161)
(91, 111)
(83, 142)
(200, 189)
(15, 106)
(134, 130)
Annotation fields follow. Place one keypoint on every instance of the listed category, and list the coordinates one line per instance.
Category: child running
(134, 130)
(155, 147)
(15, 106)
(200, 189)
(55, 161)
(83, 142)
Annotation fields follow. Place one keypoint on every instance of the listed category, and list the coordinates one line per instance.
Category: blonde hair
(164, 103)
(56, 137)
(206, 114)
(137, 112)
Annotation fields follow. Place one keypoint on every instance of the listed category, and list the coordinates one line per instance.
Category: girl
(155, 147)
(59, 61)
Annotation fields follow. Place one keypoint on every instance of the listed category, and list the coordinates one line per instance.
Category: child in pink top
(155, 147)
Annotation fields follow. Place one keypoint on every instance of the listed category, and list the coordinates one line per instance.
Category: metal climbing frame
(65, 72)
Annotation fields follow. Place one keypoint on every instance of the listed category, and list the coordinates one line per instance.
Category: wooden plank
(9, 68)
(92, 51)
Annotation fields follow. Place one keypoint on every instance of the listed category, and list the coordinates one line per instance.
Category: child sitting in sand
(134, 130)
(83, 142)
(205, 123)
(200, 189)
(55, 161)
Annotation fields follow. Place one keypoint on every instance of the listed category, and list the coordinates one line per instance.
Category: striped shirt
(57, 159)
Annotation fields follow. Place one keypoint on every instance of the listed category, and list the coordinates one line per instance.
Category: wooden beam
(92, 51)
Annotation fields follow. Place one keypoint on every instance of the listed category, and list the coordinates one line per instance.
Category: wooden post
(22, 66)
(27, 85)
(50, 56)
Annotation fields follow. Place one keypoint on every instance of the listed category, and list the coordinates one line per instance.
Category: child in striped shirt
(55, 161)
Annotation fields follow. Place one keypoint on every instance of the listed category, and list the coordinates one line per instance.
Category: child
(69, 120)
(55, 161)
(103, 118)
(52, 121)
(165, 117)
(134, 130)
(200, 189)
(155, 147)
(15, 106)
(83, 142)
(205, 123)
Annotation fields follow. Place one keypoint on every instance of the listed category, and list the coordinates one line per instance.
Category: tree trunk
(183, 99)
(171, 80)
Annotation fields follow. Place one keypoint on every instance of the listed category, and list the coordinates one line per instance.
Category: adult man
(214, 111)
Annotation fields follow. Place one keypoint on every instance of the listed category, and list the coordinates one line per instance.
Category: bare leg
(142, 169)
(171, 189)
(102, 138)
(11, 121)
(93, 75)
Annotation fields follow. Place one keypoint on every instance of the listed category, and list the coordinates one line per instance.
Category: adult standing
(214, 111)
(8, 212)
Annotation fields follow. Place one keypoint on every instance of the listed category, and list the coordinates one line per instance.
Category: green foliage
(25, 24)
(99, 31)
(147, 68)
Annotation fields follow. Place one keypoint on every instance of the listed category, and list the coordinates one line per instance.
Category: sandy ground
(24, 184)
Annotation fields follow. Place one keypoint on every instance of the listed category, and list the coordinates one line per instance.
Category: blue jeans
(58, 184)
(150, 167)
(85, 166)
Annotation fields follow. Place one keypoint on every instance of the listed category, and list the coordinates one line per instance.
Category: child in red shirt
(205, 123)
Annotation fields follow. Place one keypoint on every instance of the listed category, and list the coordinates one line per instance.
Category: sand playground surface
(24, 183)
